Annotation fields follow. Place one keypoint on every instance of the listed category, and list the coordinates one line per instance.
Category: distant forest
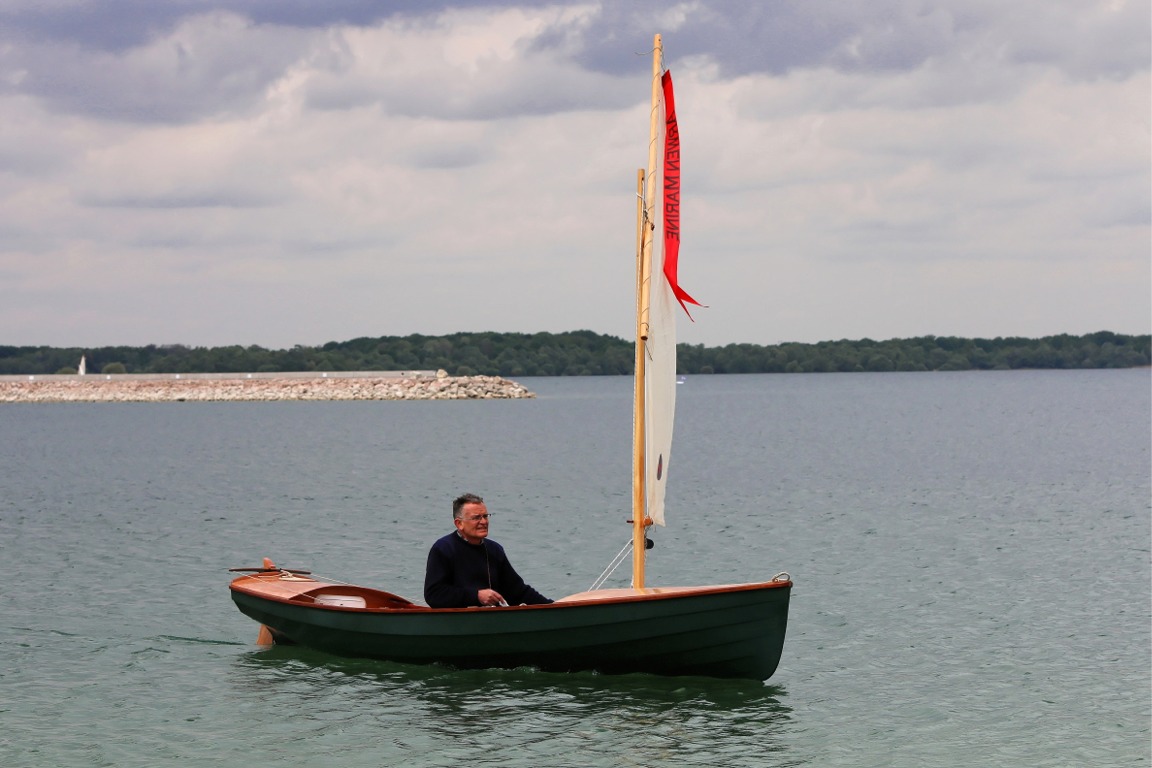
(584, 353)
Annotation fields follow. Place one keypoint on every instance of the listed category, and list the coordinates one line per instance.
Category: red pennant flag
(672, 196)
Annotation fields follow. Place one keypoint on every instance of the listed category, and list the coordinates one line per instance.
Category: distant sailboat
(83, 369)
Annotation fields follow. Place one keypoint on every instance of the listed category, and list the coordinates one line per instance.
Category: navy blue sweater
(458, 570)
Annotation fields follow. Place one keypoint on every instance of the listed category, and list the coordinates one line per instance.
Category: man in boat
(466, 568)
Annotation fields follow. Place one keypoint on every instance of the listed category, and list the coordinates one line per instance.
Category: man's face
(473, 522)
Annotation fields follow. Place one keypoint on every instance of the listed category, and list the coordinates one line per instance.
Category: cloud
(283, 173)
(207, 66)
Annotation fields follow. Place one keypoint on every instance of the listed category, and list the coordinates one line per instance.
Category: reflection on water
(441, 714)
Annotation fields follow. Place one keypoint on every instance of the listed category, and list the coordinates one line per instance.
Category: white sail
(83, 369)
(663, 296)
(657, 294)
(659, 390)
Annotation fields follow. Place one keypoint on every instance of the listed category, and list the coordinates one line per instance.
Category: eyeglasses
(474, 518)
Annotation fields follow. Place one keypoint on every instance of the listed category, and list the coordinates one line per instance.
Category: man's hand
(490, 597)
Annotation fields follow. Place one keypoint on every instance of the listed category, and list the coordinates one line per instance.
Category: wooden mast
(645, 226)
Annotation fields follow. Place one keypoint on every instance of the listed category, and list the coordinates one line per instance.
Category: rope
(287, 575)
(621, 556)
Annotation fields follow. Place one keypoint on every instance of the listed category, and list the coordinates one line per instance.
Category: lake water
(970, 554)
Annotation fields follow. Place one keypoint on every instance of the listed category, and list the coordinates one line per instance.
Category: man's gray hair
(461, 500)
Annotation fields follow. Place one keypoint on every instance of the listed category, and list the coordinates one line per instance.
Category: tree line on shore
(585, 353)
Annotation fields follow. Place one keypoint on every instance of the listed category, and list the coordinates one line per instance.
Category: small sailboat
(727, 630)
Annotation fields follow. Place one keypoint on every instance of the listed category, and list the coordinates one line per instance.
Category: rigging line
(330, 580)
(655, 140)
(325, 580)
(487, 564)
(286, 574)
(621, 556)
(658, 105)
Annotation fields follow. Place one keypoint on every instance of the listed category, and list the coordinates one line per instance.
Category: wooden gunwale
(301, 591)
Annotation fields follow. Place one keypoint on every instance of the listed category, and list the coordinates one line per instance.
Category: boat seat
(348, 596)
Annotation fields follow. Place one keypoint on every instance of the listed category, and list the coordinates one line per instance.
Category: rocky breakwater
(74, 389)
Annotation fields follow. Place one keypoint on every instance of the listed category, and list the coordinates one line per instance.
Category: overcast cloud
(277, 173)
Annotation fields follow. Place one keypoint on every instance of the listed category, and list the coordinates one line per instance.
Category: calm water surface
(970, 552)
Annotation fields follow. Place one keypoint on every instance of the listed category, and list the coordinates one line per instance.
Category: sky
(291, 172)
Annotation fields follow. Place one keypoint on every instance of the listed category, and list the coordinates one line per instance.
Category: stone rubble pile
(73, 389)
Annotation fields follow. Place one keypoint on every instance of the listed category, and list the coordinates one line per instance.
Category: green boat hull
(730, 632)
